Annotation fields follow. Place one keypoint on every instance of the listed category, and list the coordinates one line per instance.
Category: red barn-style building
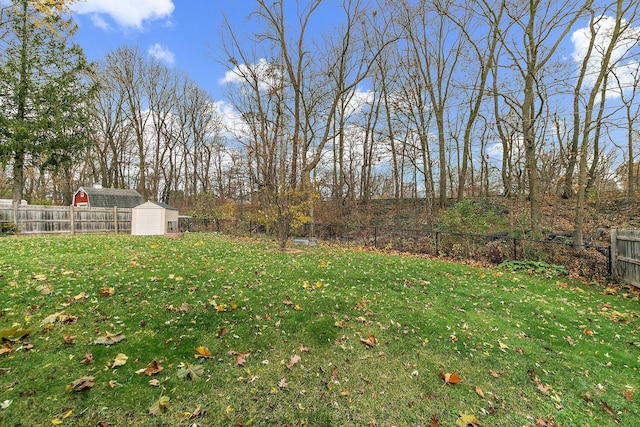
(98, 197)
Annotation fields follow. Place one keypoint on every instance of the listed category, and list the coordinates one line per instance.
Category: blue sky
(178, 32)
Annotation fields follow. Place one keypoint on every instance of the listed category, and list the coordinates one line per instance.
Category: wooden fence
(625, 255)
(35, 219)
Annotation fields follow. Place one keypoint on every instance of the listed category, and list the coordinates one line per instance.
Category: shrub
(473, 217)
(8, 228)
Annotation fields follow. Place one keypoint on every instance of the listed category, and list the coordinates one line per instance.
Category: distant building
(98, 197)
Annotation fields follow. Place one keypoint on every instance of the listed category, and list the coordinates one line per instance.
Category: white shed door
(148, 222)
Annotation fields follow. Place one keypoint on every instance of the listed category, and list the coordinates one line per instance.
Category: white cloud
(161, 53)
(267, 74)
(604, 27)
(127, 13)
(99, 22)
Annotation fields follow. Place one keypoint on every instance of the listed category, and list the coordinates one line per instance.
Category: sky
(182, 33)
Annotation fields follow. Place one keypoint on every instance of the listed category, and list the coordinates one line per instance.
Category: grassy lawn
(204, 330)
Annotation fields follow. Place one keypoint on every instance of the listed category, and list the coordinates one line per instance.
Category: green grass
(565, 352)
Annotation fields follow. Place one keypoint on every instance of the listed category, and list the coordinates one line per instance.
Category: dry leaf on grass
(202, 353)
(450, 378)
(466, 420)
(81, 384)
(160, 406)
(369, 342)
(120, 360)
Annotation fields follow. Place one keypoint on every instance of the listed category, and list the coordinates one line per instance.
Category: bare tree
(433, 46)
(537, 28)
(127, 69)
(590, 126)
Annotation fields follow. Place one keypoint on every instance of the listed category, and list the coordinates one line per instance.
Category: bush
(8, 228)
(473, 217)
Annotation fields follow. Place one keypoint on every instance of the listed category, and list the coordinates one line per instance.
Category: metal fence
(587, 260)
(593, 261)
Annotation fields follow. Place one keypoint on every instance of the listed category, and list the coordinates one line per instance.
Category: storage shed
(152, 218)
(98, 197)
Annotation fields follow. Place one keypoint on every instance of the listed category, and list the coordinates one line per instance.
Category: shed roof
(158, 204)
(109, 197)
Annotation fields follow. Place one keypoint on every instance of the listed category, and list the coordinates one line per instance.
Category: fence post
(72, 221)
(15, 214)
(437, 243)
(375, 237)
(115, 219)
(515, 249)
(613, 253)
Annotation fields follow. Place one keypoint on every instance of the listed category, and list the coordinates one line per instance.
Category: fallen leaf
(69, 339)
(152, 368)
(467, 420)
(113, 383)
(6, 349)
(120, 360)
(202, 353)
(369, 342)
(190, 372)
(52, 318)
(197, 413)
(108, 338)
(154, 383)
(83, 383)
(283, 383)
(546, 422)
(221, 332)
(434, 421)
(495, 374)
(45, 289)
(627, 395)
(543, 389)
(160, 406)
(450, 378)
(334, 373)
(479, 391)
(106, 291)
(241, 358)
(606, 408)
(294, 359)
(81, 295)
(88, 358)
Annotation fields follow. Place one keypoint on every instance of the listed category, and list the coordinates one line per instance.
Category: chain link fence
(591, 261)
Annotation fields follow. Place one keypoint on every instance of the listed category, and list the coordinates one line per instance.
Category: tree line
(391, 99)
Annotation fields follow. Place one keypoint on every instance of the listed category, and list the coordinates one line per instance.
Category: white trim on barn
(153, 218)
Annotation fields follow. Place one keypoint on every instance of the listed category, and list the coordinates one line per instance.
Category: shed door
(148, 222)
